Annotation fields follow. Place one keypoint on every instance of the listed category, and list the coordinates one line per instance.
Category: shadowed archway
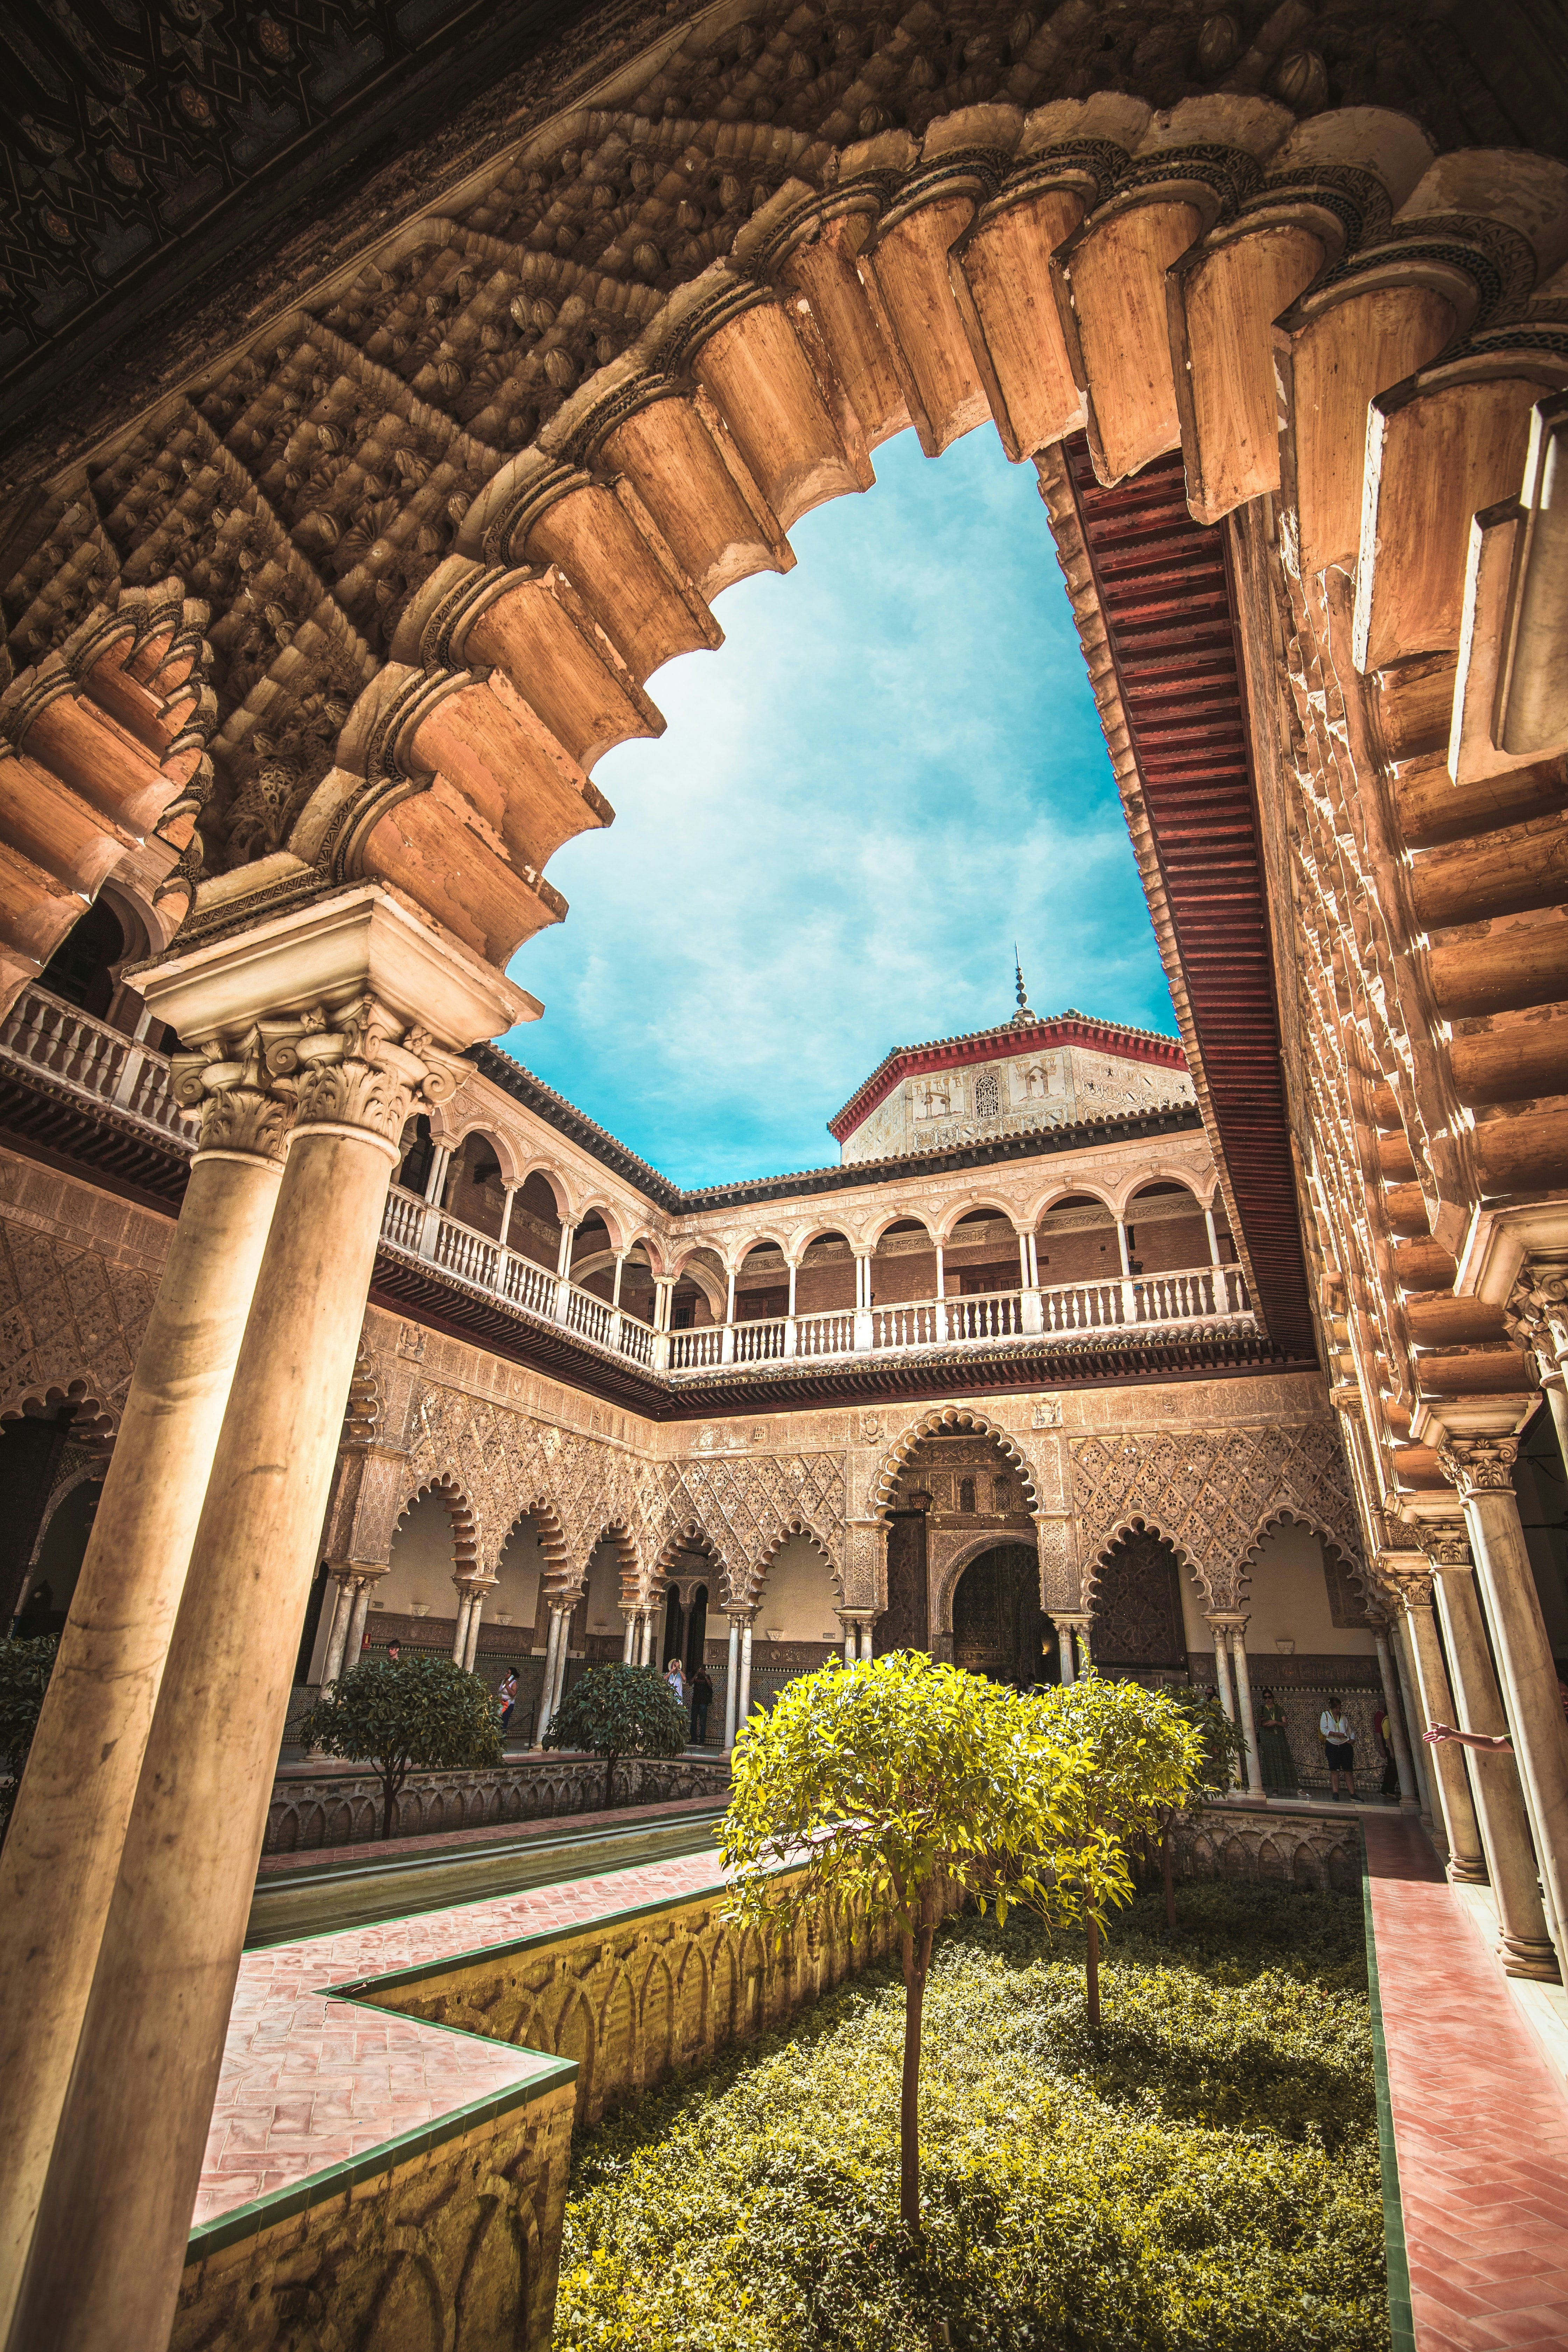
(999, 1629)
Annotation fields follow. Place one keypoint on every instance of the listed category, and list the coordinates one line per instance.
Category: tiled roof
(1016, 1036)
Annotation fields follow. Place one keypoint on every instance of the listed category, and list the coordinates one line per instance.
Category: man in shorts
(1339, 1747)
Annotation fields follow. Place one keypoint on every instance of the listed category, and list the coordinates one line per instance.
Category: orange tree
(890, 1788)
(1139, 1757)
(616, 1711)
(415, 1714)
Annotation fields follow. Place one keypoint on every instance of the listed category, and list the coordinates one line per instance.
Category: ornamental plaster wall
(797, 1594)
(1009, 1096)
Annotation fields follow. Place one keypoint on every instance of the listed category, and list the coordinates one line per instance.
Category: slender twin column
(354, 1586)
(1466, 1861)
(556, 1658)
(1228, 1627)
(858, 1632)
(738, 1683)
(1394, 1714)
(1067, 1627)
(1524, 1941)
(1481, 1470)
(232, 1445)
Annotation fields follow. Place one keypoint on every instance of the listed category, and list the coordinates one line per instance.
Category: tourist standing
(1338, 1746)
(506, 1693)
(702, 1700)
(1274, 1748)
(394, 1653)
(675, 1676)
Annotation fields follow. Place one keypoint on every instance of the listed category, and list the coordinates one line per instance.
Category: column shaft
(356, 1629)
(562, 1655)
(62, 1851)
(626, 1646)
(471, 1646)
(547, 1692)
(851, 1645)
(1524, 1944)
(344, 1592)
(743, 1704)
(1420, 1755)
(152, 2040)
(461, 1637)
(1064, 1647)
(1244, 1708)
(648, 1632)
(732, 1683)
(1465, 1860)
(1396, 1724)
(1528, 1680)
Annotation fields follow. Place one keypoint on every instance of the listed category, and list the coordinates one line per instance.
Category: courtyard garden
(1197, 2174)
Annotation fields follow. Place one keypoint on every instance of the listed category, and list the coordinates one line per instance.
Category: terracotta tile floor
(308, 2082)
(1480, 2125)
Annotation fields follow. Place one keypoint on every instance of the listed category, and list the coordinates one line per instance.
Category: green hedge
(1200, 2177)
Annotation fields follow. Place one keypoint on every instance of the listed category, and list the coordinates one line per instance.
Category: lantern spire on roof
(1023, 1013)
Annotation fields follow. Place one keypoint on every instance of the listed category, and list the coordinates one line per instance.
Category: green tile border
(1401, 2318)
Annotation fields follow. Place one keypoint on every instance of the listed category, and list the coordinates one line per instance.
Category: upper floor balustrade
(88, 1057)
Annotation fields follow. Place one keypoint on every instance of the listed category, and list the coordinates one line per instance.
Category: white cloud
(891, 769)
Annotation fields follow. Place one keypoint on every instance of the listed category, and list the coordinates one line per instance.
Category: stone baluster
(1481, 1469)
(1467, 1861)
(62, 1852)
(360, 977)
(1525, 1942)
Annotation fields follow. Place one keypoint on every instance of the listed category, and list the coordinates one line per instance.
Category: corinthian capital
(1446, 1547)
(244, 1105)
(362, 1065)
(1479, 1465)
(1412, 1586)
(1537, 1315)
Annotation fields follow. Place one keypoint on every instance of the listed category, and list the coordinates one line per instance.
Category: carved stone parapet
(1479, 1465)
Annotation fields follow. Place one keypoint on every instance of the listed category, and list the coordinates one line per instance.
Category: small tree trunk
(610, 1779)
(390, 1790)
(1093, 1972)
(917, 1963)
(1168, 1877)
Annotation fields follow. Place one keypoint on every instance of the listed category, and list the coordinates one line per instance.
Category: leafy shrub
(616, 1711)
(24, 1671)
(406, 1715)
(1200, 2176)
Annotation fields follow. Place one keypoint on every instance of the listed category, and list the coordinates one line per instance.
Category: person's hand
(1439, 1732)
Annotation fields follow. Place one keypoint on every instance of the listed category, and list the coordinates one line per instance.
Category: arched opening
(1076, 1242)
(603, 1626)
(415, 1602)
(535, 1229)
(825, 1283)
(1139, 1626)
(762, 1285)
(903, 1263)
(1309, 1638)
(982, 1256)
(999, 1629)
(696, 1629)
(592, 1263)
(700, 1293)
(520, 1574)
(416, 1156)
(674, 1643)
(798, 1628)
(1165, 1229)
(953, 1484)
(53, 1581)
(474, 1190)
(80, 969)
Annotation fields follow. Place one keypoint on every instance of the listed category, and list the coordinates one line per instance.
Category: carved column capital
(1479, 1465)
(1412, 1586)
(1536, 1316)
(360, 1065)
(1446, 1547)
(245, 1106)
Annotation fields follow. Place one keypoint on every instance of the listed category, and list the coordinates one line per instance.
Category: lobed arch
(946, 1421)
(616, 1532)
(692, 1536)
(466, 1546)
(756, 1575)
(1339, 1538)
(95, 1419)
(556, 1578)
(1144, 1523)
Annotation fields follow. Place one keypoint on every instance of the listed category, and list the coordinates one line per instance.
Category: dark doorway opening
(998, 1626)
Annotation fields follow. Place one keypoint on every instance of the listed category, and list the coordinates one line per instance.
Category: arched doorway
(999, 1629)
(1138, 1620)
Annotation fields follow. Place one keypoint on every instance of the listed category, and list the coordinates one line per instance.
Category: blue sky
(891, 769)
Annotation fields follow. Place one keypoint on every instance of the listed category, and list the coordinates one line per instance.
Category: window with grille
(987, 1095)
(966, 1494)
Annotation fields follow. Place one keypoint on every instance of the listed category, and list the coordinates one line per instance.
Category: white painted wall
(798, 1595)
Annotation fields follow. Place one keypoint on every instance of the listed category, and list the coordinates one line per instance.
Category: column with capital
(1236, 1627)
(480, 1589)
(1218, 1624)
(1481, 1470)
(62, 1852)
(1408, 1798)
(732, 1684)
(377, 1007)
(1524, 1941)
(1071, 1623)
(1467, 1861)
(1538, 1318)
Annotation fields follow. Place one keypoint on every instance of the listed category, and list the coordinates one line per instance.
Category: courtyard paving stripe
(1480, 2126)
(313, 2082)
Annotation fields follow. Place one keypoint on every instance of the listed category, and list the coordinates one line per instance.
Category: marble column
(1244, 1708)
(629, 1644)
(867, 1633)
(1222, 1678)
(476, 1611)
(1481, 1469)
(743, 1703)
(1467, 1861)
(650, 1627)
(461, 1637)
(371, 978)
(1524, 1945)
(732, 1684)
(1064, 1652)
(357, 1622)
(547, 1691)
(62, 1852)
(1397, 1741)
(346, 1585)
(563, 1654)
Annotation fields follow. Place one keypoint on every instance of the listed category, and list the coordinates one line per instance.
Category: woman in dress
(1338, 1746)
(1274, 1748)
(675, 1676)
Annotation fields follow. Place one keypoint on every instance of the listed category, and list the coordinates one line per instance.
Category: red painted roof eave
(1165, 596)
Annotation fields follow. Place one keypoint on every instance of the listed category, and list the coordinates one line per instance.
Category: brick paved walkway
(308, 2082)
(1480, 2126)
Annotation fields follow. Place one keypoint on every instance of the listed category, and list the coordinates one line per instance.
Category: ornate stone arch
(1347, 1545)
(800, 1525)
(690, 1534)
(95, 1417)
(618, 1532)
(1144, 1523)
(466, 1559)
(555, 1578)
(946, 1421)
